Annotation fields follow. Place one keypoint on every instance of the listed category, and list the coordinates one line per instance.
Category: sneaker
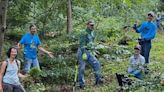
(147, 71)
(81, 87)
(100, 81)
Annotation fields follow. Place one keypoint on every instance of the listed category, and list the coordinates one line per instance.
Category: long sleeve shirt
(136, 62)
(147, 30)
(87, 37)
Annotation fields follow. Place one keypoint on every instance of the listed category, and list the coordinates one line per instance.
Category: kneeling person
(137, 62)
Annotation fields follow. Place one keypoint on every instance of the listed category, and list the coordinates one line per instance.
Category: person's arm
(130, 68)
(22, 41)
(45, 51)
(19, 46)
(139, 29)
(3, 67)
(38, 44)
(19, 74)
(142, 61)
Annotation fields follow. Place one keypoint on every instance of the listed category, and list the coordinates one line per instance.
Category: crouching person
(9, 73)
(137, 62)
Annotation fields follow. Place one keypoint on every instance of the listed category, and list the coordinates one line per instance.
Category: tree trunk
(3, 14)
(69, 16)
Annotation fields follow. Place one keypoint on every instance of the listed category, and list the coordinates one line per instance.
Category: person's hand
(135, 25)
(22, 76)
(50, 54)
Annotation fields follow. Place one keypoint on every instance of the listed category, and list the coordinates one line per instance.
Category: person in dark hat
(84, 53)
(137, 62)
(147, 32)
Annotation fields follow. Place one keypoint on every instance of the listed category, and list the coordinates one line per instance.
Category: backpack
(123, 80)
(7, 65)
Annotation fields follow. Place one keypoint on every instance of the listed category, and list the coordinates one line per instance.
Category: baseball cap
(151, 13)
(92, 22)
(137, 47)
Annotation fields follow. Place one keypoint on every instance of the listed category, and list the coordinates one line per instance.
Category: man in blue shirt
(85, 54)
(31, 44)
(147, 31)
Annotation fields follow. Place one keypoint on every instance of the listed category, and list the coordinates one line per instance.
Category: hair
(9, 51)
(32, 25)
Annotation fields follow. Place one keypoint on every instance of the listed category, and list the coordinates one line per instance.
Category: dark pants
(145, 49)
(12, 88)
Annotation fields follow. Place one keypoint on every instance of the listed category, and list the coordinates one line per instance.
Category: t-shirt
(31, 43)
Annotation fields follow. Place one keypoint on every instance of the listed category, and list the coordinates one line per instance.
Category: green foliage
(32, 81)
(110, 16)
(61, 68)
(35, 72)
(39, 87)
(18, 12)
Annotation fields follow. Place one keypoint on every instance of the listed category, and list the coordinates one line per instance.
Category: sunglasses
(92, 25)
(150, 15)
(136, 48)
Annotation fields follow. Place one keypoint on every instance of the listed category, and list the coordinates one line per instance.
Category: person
(9, 73)
(158, 21)
(137, 62)
(32, 43)
(84, 54)
(147, 31)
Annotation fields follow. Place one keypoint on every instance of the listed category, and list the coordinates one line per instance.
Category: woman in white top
(9, 73)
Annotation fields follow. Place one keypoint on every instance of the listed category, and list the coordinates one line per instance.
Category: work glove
(135, 26)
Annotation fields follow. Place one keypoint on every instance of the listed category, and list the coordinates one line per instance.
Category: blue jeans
(136, 73)
(145, 50)
(29, 62)
(91, 59)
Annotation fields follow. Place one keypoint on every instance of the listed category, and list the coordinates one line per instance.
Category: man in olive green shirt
(87, 37)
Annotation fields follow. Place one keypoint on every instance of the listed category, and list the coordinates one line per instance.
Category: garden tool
(76, 75)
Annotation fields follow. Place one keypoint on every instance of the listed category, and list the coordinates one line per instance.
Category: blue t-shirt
(31, 43)
(147, 30)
